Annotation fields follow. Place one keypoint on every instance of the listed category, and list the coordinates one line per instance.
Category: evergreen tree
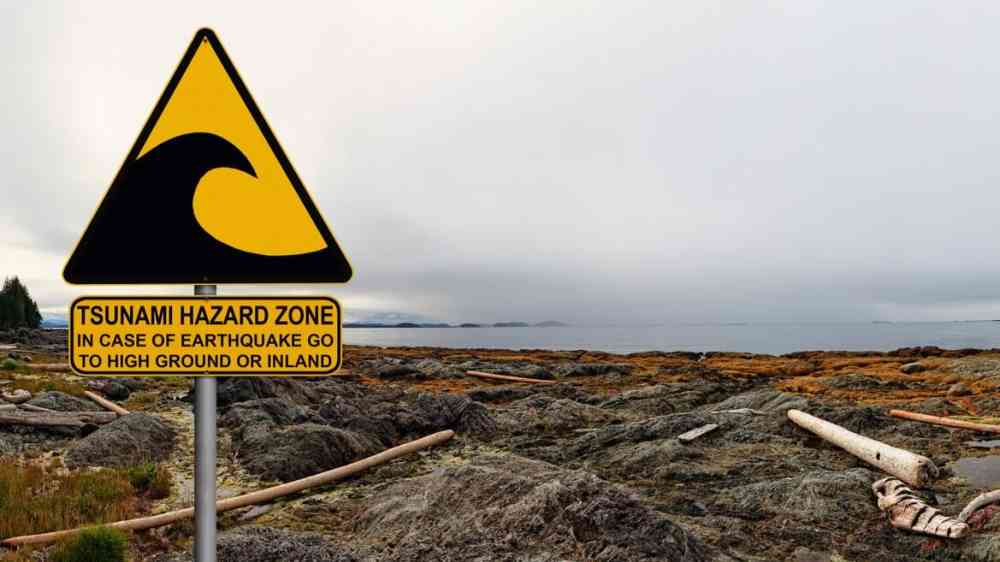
(17, 310)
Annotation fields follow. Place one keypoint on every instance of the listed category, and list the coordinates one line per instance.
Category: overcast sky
(587, 161)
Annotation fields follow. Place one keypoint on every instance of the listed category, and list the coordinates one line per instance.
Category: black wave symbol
(145, 230)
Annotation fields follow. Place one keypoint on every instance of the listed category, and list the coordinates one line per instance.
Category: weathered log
(907, 511)
(56, 419)
(982, 500)
(946, 422)
(261, 496)
(6, 407)
(915, 470)
(104, 402)
(48, 366)
(491, 376)
(34, 408)
(18, 396)
(741, 411)
(697, 432)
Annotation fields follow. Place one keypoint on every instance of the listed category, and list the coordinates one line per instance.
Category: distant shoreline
(545, 324)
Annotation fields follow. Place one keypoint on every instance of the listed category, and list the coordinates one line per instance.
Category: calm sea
(755, 338)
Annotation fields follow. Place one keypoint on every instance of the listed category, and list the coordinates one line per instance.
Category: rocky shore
(589, 468)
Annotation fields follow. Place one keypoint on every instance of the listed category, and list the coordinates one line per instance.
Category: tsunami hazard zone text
(205, 336)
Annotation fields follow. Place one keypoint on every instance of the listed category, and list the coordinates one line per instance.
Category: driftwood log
(7, 407)
(508, 378)
(105, 403)
(48, 366)
(19, 396)
(980, 501)
(946, 422)
(33, 408)
(261, 496)
(697, 432)
(915, 470)
(56, 419)
(907, 511)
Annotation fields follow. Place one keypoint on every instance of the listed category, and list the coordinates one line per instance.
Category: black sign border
(221, 374)
(344, 271)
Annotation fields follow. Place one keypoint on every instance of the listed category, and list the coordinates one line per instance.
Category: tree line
(17, 310)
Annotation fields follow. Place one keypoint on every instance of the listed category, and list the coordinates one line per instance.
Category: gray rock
(601, 441)
(514, 368)
(9, 445)
(127, 441)
(508, 393)
(545, 413)
(62, 402)
(816, 498)
(388, 416)
(981, 548)
(133, 384)
(770, 401)
(594, 369)
(273, 411)
(661, 399)
(911, 368)
(235, 390)
(297, 451)
(857, 381)
(803, 554)
(116, 391)
(508, 508)
(397, 372)
(434, 369)
(266, 544)
(976, 367)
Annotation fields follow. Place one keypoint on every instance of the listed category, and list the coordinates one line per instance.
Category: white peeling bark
(907, 511)
(915, 470)
(19, 396)
(697, 432)
(980, 501)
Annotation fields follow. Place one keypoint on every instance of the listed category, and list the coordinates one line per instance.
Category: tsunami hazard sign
(123, 336)
(206, 194)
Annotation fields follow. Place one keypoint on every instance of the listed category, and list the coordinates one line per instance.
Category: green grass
(50, 383)
(100, 544)
(150, 479)
(38, 499)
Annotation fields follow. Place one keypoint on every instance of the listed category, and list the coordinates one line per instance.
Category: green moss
(149, 478)
(99, 544)
(9, 364)
(141, 476)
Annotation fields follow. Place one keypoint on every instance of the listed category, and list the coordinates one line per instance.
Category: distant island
(545, 324)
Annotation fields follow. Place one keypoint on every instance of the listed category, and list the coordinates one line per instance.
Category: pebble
(959, 389)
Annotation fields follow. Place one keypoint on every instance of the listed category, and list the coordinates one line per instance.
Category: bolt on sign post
(205, 196)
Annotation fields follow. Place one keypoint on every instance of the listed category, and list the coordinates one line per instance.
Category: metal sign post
(204, 458)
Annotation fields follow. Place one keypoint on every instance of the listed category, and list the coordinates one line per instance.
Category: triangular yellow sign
(206, 194)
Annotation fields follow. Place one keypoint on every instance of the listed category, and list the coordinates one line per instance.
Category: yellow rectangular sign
(232, 336)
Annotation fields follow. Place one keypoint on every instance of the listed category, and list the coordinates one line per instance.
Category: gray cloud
(592, 161)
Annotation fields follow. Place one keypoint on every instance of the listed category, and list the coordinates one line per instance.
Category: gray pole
(204, 458)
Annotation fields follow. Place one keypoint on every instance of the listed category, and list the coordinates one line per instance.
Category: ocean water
(753, 338)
